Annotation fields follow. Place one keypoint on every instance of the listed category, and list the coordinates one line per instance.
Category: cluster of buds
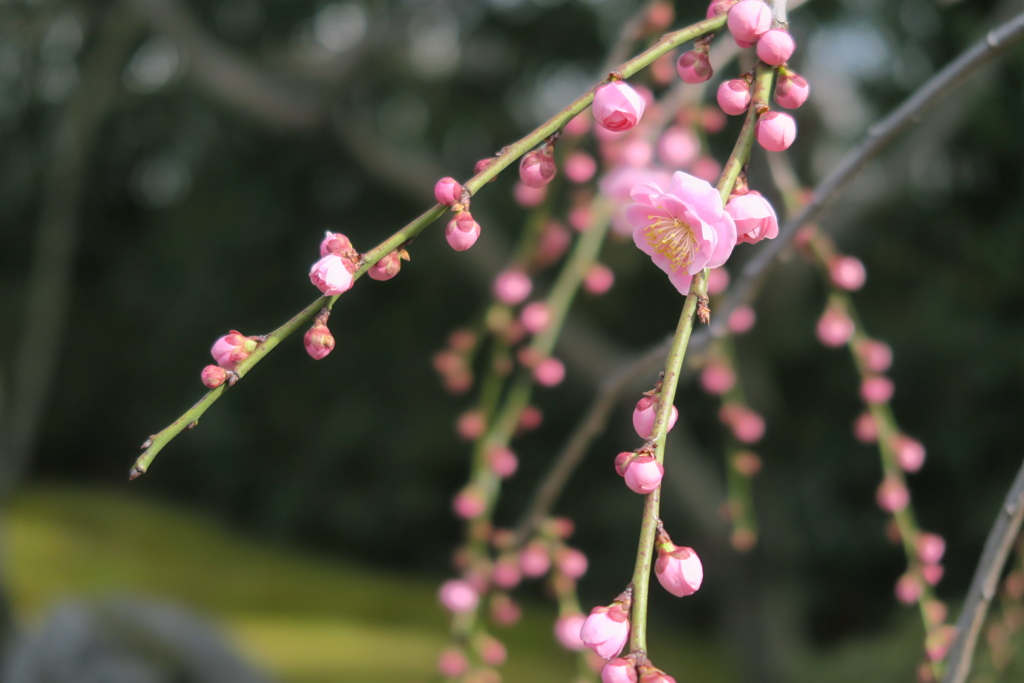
(228, 351)
(334, 273)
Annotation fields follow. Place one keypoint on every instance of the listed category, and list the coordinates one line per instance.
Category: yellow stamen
(673, 239)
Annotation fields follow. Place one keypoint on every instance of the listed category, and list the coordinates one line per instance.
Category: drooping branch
(985, 582)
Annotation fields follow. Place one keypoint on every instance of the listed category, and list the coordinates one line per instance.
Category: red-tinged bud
(775, 46)
(908, 589)
(505, 611)
(678, 568)
(335, 243)
(571, 562)
(503, 462)
(717, 378)
(469, 503)
(694, 66)
(213, 376)
(619, 670)
(452, 663)
(232, 349)
(512, 287)
(506, 573)
(318, 341)
(549, 372)
(447, 191)
(387, 267)
(537, 168)
(617, 106)
(892, 496)
(791, 89)
(482, 166)
(864, 428)
(606, 630)
(876, 355)
(775, 131)
(847, 272)
(462, 231)
(534, 560)
(652, 674)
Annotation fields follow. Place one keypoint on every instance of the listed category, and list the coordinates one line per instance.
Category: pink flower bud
(567, 631)
(643, 474)
(580, 167)
(876, 355)
(775, 46)
(549, 372)
(936, 643)
(749, 20)
(694, 66)
(482, 166)
(387, 267)
(717, 378)
(791, 90)
(534, 560)
(834, 327)
(646, 413)
(932, 573)
(599, 279)
(530, 418)
(318, 341)
(506, 573)
(678, 147)
(537, 168)
(678, 568)
(554, 241)
(878, 389)
(471, 425)
(719, 7)
(572, 562)
(864, 428)
(847, 272)
(213, 376)
(619, 670)
(447, 191)
(908, 589)
(742, 319)
(606, 630)
(331, 275)
(892, 496)
(747, 426)
(469, 503)
(617, 106)
(775, 131)
(754, 217)
(232, 349)
(707, 168)
(462, 231)
(746, 463)
(458, 596)
(504, 611)
(335, 243)
(930, 547)
(936, 611)
(578, 125)
(734, 96)
(910, 453)
(452, 663)
(491, 650)
(535, 317)
(718, 281)
(512, 287)
(503, 462)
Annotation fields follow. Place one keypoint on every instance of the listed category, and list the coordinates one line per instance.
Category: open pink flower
(684, 230)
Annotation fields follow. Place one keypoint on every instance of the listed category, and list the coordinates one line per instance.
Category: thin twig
(747, 283)
(986, 579)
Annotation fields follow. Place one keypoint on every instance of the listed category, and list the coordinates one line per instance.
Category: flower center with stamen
(673, 239)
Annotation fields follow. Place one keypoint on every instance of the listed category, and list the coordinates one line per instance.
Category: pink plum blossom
(847, 272)
(599, 279)
(512, 287)
(742, 319)
(678, 569)
(617, 106)
(643, 474)
(910, 453)
(684, 229)
(606, 630)
(331, 275)
(877, 389)
(678, 147)
(754, 217)
(876, 355)
(834, 327)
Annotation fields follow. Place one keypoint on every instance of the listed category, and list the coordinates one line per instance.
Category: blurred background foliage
(169, 168)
